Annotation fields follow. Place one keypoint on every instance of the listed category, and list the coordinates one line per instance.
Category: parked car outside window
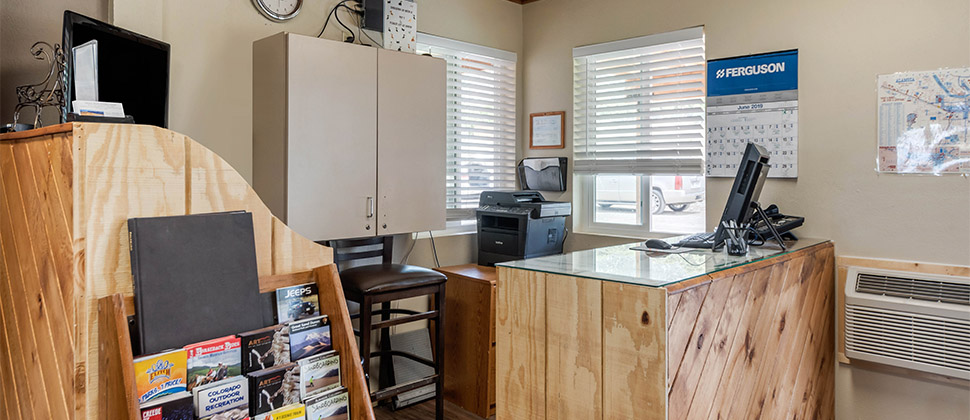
(673, 193)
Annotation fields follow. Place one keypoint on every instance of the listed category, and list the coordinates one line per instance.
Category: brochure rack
(65, 279)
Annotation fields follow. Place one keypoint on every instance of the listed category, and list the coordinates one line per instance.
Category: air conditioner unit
(911, 320)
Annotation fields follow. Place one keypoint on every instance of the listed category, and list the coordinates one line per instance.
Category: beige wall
(211, 95)
(22, 23)
(491, 23)
(842, 45)
(211, 71)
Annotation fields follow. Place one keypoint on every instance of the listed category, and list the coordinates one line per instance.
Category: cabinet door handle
(370, 207)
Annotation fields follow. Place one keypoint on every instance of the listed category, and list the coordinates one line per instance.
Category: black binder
(195, 279)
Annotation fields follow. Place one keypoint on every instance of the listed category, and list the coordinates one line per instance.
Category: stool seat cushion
(381, 278)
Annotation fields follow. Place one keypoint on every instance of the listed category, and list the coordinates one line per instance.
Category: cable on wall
(434, 250)
(407, 254)
(333, 12)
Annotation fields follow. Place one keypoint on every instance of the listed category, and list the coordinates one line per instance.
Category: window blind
(639, 105)
(481, 121)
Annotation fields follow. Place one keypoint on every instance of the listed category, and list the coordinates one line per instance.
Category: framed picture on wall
(546, 130)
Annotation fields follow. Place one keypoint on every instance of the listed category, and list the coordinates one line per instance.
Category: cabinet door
(332, 148)
(410, 142)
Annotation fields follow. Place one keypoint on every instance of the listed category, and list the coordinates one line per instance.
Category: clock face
(278, 10)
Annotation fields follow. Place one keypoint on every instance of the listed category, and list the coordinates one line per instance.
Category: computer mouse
(657, 244)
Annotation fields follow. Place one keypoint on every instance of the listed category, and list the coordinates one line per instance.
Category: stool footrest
(391, 311)
(414, 357)
(389, 392)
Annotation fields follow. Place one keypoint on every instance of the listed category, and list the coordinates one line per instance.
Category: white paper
(99, 109)
(400, 25)
(773, 125)
(538, 164)
(923, 122)
(547, 130)
(86, 71)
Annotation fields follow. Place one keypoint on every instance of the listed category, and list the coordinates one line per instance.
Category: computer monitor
(132, 68)
(752, 172)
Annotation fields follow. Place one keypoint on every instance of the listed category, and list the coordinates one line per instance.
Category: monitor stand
(760, 213)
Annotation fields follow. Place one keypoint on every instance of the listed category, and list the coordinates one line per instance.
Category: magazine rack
(65, 280)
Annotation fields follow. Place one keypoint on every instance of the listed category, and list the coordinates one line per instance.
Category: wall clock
(278, 10)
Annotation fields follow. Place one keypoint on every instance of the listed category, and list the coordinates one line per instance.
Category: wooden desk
(470, 337)
(612, 333)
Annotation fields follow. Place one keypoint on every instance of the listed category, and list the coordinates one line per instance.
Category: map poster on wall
(923, 122)
(753, 99)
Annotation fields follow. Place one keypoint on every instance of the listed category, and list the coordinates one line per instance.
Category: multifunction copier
(514, 225)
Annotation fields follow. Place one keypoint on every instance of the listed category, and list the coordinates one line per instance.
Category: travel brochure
(284, 371)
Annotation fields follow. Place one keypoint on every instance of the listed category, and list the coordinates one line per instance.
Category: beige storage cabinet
(348, 140)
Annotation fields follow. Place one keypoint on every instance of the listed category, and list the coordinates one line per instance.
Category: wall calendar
(753, 99)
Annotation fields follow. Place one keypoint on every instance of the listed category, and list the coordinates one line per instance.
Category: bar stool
(384, 283)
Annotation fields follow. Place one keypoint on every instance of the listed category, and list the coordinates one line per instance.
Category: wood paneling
(719, 349)
(688, 373)
(574, 348)
(634, 352)
(520, 329)
(268, 284)
(128, 171)
(40, 132)
(333, 304)
(293, 253)
(36, 274)
(688, 307)
(760, 303)
(752, 342)
(766, 354)
(814, 308)
(67, 192)
(118, 396)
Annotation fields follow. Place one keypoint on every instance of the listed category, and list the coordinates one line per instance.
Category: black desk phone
(782, 223)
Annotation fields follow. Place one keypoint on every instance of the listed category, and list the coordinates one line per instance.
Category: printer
(514, 225)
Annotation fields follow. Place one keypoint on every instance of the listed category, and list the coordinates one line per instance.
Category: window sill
(452, 231)
(617, 235)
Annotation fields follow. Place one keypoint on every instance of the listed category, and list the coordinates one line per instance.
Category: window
(638, 134)
(481, 123)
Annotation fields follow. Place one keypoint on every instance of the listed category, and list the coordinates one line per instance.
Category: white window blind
(639, 105)
(481, 121)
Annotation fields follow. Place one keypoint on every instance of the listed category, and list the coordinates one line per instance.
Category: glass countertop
(621, 264)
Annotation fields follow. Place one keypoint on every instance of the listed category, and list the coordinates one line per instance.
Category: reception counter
(613, 333)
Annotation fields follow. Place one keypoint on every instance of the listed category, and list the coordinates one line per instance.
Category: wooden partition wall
(67, 192)
(752, 342)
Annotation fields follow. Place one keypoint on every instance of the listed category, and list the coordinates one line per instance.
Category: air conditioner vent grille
(922, 289)
(943, 343)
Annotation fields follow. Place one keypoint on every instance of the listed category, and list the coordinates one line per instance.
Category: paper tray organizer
(542, 174)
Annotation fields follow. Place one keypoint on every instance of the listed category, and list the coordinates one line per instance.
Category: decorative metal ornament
(50, 92)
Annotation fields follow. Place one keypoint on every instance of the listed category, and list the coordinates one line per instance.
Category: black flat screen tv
(132, 68)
